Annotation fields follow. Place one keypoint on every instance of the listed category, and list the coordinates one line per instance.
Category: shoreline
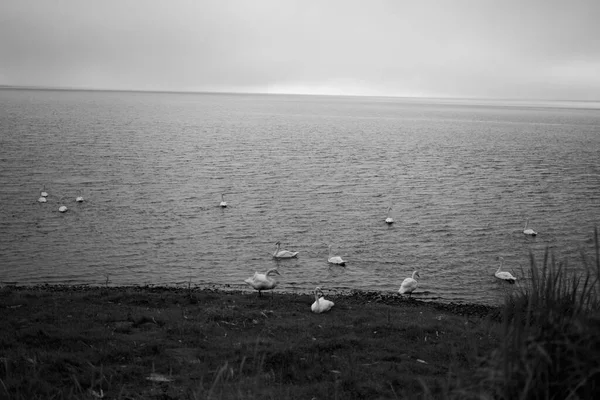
(354, 296)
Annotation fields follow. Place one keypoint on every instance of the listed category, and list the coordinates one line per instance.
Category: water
(304, 170)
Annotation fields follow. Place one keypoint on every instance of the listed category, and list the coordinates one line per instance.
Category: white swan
(42, 199)
(321, 304)
(389, 219)
(79, 199)
(264, 281)
(44, 193)
(283, 253)
(223, 202)
(62, 209)
(504, 275)
(409, 284)
(335, 259)
(528, 231)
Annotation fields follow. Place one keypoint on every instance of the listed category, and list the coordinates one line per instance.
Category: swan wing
(408, 286)
(337, 260)
(286, 254)
(505, 275)
(321, 305)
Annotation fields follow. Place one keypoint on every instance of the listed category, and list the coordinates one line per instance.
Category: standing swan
(321, 304)
(223, 202)
(264, 281)
(528, 231)
(389, 220)
(335, 259)
(283, 253)
(409, 284)
(504, 275)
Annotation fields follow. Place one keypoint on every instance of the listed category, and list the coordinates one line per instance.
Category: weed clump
(551, 341)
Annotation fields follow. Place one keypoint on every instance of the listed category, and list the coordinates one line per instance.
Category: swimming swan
(389, 219)
(79, 199)
(223, 202)
(283, 253)
(321, 304)
(409, 284)
(44, 193)
(264, 281)
(528, 231)
(504, 275)
(42, 199)
(62, 209)
(335, 259)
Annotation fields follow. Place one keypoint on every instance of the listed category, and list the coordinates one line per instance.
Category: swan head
(416, 274)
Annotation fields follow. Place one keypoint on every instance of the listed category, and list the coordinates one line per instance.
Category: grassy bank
(142, 342)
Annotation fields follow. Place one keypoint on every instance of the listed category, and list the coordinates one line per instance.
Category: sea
(461, 177)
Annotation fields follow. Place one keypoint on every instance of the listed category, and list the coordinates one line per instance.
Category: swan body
(389, 220)
(504, 275)
(321, 304)
(264, 281)
(528, 231)
(79, 199)
(62, 209)
(42, 199)
(223, 202)
(335, 259)
(44, 193)
(409, 284)
(283, 253)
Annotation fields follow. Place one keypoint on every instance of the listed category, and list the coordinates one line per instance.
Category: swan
(528, 231)
(504, 275)
(44, 193)
(264, 281)
(223, 202)
(389, 219)
(62, 209)
(321, 304)
(409, 284)
(283, 253)
(42, 199)
(79, 199)
(335, 259)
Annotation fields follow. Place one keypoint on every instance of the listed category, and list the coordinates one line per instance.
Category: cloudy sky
(526, 49)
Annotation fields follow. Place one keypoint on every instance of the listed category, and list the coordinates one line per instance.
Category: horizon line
(65, 88)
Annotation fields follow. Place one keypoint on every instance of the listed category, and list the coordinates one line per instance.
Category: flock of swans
(44, 198)
(267, 281)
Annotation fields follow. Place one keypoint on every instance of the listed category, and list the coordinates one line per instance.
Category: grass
(164, 343)
(141, 342)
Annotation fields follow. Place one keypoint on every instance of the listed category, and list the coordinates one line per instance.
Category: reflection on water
(306, 171)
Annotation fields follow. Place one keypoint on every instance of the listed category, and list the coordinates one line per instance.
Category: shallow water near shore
(308, 171)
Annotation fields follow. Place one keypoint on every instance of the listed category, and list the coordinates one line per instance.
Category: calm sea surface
(308, 171)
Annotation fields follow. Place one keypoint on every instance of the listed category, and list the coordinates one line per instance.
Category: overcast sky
(525, 49)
